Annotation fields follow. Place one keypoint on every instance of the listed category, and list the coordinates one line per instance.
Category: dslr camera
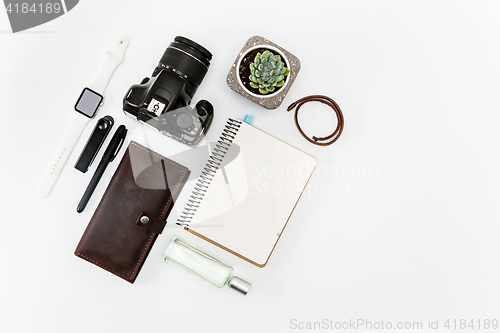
(162, 101)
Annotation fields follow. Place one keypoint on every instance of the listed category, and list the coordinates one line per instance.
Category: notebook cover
(144, 184)
(252, 195)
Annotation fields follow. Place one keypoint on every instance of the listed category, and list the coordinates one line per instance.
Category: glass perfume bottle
(203, 265)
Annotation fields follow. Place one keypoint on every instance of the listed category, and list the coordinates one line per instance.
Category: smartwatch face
(88, 103)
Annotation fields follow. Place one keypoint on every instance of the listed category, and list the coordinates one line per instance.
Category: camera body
(163, 101)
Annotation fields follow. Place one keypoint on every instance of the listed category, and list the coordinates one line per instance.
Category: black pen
(108, 156)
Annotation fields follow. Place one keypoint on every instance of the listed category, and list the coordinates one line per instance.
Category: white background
(400, 222)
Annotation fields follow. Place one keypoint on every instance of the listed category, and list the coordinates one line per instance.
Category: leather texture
(144, 184)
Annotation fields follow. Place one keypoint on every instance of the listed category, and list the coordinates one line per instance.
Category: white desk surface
(400, 222)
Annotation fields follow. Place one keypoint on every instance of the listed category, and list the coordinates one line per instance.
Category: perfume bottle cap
(241, 285)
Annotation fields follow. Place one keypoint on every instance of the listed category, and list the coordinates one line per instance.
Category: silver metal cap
(241, 285)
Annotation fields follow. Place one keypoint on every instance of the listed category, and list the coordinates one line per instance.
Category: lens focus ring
(187, 57)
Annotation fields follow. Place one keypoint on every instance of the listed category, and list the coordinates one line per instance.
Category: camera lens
(187, 57)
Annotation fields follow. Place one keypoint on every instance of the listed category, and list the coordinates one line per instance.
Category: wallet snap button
(144, 220)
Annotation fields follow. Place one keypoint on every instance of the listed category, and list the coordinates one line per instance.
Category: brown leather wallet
(132, 212)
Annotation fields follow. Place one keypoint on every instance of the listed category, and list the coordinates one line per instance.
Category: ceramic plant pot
(240, 77)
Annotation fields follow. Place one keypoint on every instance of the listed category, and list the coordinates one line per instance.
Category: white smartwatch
(86, 107)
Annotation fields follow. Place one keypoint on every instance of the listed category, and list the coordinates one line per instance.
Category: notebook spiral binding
(208, 173)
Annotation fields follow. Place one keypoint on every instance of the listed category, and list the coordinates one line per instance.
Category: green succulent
(268, 72)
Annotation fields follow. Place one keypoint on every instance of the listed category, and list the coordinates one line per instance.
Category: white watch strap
(61, 154)
(114, 56)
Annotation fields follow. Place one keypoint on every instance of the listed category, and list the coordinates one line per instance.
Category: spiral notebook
(247, 192)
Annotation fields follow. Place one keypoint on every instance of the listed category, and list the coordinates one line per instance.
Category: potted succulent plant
(263, 72)
(267, 72)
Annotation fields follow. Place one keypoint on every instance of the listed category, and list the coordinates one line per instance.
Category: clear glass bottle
(203, 265)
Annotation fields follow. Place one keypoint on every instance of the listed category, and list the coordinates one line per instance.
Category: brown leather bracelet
(331, 103)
